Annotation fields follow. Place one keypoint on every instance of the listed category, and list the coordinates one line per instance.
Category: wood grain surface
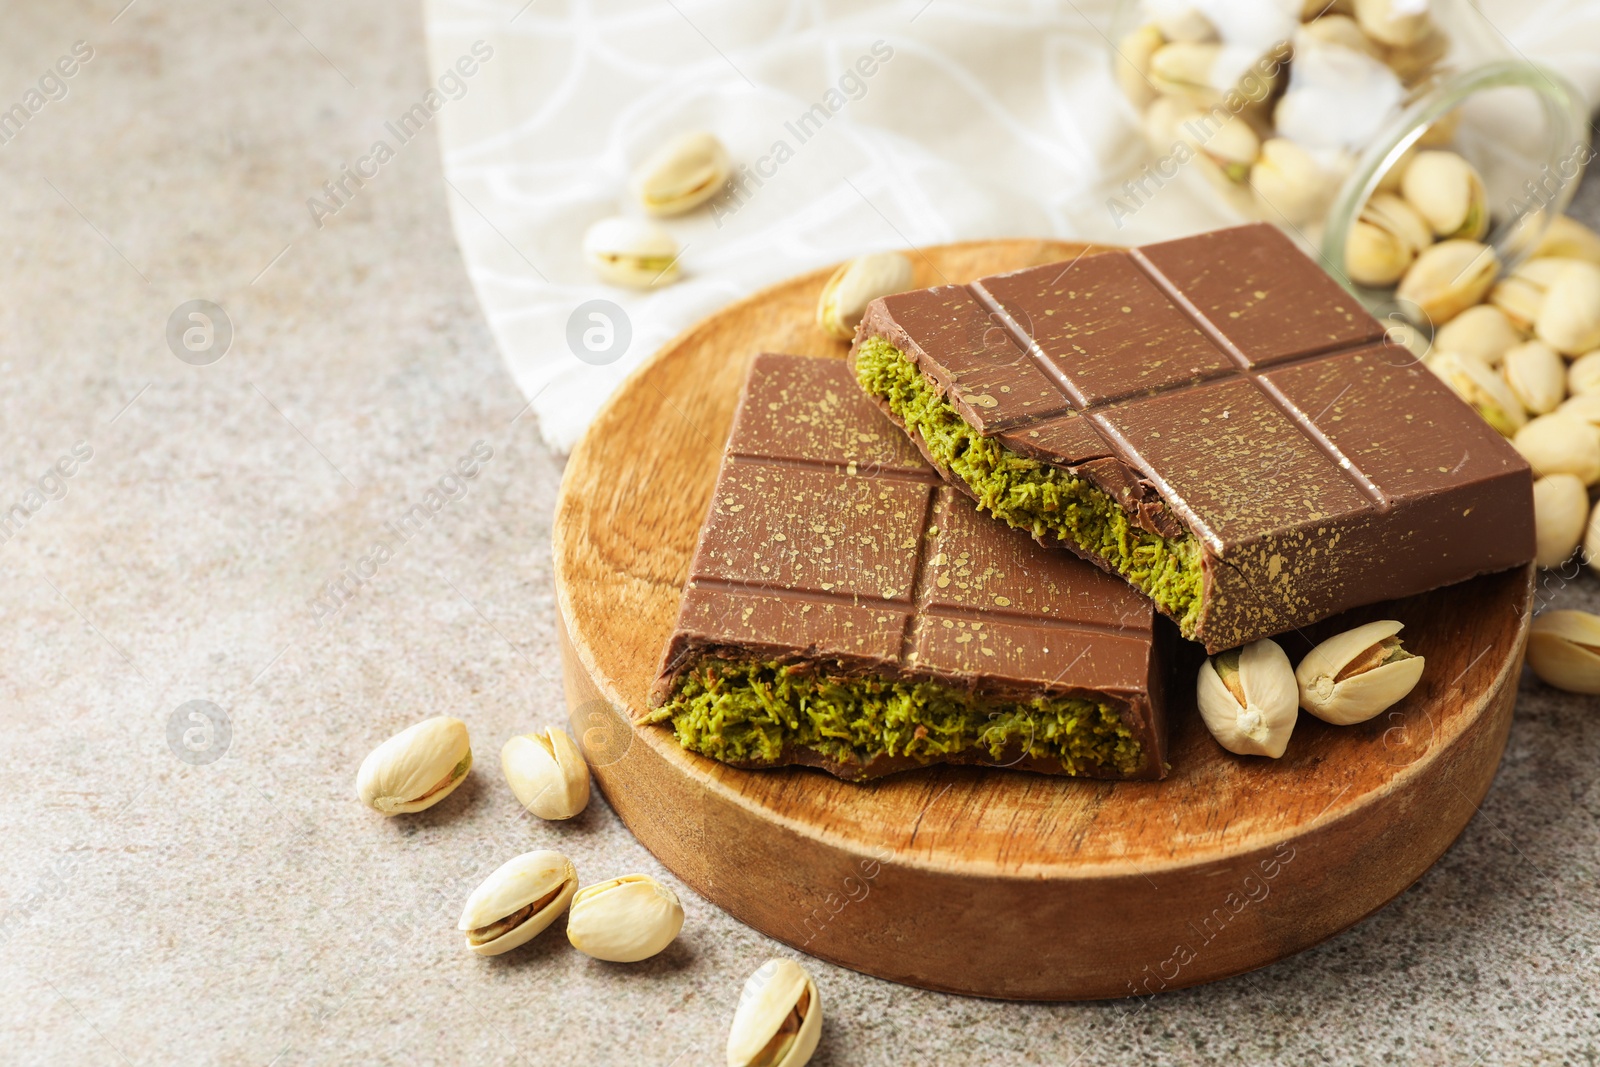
(989, 882)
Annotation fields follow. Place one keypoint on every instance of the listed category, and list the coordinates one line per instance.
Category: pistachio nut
(1591, 540)
(624, 920)
(682, 174)
(779, 1018)
(1585, 406)
(547, 773)
(1560, 443)
(1487, 392)
(856, 284)
(1537, 376)
(1583, 375)
(1248, 699)
(1517, 299)
(1560, 509)
(1393, 22)
(1384, 241)
(1231, 144)
(1564, 650)
(1448, 278)
(1569, 317)
(1482, 331)
(1353, 676)
(1448, 193)
(1374, 257)
(1183, 69)
(1569, 238)
(1288, 183)
(517, 901)
(416, 768)
(631, 252)
(1132, 64)
(1520, 294)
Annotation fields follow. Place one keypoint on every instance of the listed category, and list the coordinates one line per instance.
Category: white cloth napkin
(979, 118)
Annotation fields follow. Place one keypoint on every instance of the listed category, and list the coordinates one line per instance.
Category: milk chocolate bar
(847, 610)
(1211, 418)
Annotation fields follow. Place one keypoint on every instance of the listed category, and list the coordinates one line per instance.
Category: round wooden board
(989, 882)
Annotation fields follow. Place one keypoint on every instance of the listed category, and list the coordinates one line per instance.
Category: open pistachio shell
(1517, 299)
(1537, 375)
(631, 252)
(1560, 509)
(1477, 383)
(1385, 241)
(1183, 69)
(416, 768)
(1353, 676)
(856, 284)
(1569, 317)
(625, 919)
(1248, 699)
(1483, 331)
(1448, 278)
(1448, 193)
(1564, 650)
(682, 174)
(1289, 184)
(517, 901)
(1560, 443)
(1521, 293)
(547, 773)
(779, 1018)
(1583, 375)
(1585, 406)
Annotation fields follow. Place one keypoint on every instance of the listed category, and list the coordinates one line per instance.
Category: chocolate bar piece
(1211, 418)
(847, 610)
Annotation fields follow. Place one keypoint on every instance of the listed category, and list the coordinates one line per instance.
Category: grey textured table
(239, 906)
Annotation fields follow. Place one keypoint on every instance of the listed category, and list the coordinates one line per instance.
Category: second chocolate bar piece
(846, 610)
(1212, 419)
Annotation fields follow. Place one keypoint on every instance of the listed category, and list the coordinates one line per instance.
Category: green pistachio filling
(1035, 496)
(751, 712)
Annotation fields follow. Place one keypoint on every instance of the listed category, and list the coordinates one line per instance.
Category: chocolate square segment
(989, 379)
(1235, 462)
(1267, 451)
(1106, 328)
(814, 531)
(802, 411)
(1252, 286)
(816, 558)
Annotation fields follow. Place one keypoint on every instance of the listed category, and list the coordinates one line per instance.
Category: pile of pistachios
(1273, 107)
(621, 920)
(1528, 360)
(680, 176)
